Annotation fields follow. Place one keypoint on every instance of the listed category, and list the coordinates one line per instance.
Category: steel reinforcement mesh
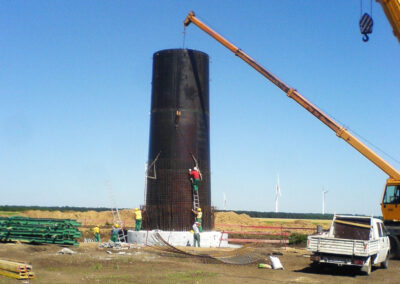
(169, 199)
(179, 139)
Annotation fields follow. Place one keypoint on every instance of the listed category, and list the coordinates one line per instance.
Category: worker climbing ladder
(115, 212)
(117, 220)
(196, 199)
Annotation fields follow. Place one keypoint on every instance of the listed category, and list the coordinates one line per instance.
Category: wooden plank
(353, 224)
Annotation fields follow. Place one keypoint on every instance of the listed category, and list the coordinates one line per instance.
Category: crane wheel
(394, 247)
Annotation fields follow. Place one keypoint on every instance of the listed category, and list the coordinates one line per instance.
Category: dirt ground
(91, 264)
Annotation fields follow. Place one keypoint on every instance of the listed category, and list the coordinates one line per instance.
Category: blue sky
(75, 87)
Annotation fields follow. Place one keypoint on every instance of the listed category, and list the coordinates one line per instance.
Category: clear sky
(75, 88)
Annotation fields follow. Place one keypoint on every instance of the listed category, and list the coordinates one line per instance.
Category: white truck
(352, 240)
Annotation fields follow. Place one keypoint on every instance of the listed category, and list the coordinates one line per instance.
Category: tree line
(20, 208)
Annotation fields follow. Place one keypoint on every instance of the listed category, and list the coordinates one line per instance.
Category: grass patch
(9, 213)
(189, 276)
(296, 239)
(269, 222)
(97, 266)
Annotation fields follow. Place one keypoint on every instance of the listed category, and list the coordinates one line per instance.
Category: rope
(184, 37)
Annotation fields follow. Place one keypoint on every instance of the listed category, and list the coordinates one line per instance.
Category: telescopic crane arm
(392, 12)
(293, 94)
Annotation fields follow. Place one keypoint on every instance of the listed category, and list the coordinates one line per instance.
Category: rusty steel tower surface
(179, 140)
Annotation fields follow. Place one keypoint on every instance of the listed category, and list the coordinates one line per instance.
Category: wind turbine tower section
(179, 141)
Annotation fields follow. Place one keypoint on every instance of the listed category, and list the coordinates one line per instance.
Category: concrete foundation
(211, 239)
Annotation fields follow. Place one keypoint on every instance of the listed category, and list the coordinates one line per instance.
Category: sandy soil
(145, 265)
(105, 219)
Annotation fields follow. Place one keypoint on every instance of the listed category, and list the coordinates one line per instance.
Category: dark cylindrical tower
(179, 140)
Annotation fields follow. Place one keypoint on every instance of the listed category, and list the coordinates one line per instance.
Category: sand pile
(233, 218)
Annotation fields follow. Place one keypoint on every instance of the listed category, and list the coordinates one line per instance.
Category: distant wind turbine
(277, 194)
(224, 202)
(323, 200)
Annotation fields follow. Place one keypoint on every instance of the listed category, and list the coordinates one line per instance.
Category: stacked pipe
(17, 270)
(40, 231)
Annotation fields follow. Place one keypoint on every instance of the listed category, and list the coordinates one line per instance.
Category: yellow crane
(392, 12)
(390, 204)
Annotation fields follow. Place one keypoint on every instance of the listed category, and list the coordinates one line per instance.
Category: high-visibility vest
(96, 230)
(138, 215)
(199, 215)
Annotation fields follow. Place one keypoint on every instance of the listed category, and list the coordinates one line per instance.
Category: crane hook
(366, 23)
(365, 38)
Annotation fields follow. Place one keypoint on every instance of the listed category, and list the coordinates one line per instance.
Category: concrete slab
(212, 239)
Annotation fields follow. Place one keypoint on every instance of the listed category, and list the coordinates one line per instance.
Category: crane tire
(394, 247)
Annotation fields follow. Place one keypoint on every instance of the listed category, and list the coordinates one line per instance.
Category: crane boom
(392, 12)
(293, 94)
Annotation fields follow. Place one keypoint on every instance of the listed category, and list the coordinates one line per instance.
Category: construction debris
(17, 270)
(264, 265)
(116, 245)
(39, 231)
(66, 251)
(276, 263)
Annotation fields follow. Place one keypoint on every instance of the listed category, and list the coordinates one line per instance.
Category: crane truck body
(390, 204)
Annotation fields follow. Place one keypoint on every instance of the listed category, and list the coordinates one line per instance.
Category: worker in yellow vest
(199, 216)
(96, 231)
(138, 219)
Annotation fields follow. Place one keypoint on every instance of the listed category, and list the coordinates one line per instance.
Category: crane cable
(372, 145)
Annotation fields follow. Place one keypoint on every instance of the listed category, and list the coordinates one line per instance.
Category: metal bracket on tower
(197, 165)
(152, 164)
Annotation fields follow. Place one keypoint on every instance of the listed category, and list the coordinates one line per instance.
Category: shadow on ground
(333, 270)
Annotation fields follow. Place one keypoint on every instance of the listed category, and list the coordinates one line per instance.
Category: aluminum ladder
(196, 200)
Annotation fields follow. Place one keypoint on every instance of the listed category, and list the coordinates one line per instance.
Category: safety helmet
(136, 209)
(116, 226)
(199, 209)
(195, 168)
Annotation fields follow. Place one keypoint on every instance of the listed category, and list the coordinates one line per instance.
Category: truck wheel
(367, 268)
(385, 264)
(316, 266)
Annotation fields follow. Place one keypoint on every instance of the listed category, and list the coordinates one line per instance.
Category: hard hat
(136, 209)
(199, 209)
(195, 168)
(191, 231)
(116, 226)
(197, 222)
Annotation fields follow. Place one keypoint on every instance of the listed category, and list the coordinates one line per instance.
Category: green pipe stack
(40, 231)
